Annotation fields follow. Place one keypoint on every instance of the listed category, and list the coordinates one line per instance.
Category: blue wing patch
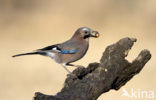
(69, 52)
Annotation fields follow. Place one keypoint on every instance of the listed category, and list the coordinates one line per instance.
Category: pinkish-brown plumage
(69, 51)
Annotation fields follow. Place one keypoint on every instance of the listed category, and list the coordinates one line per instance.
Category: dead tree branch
(112, 72)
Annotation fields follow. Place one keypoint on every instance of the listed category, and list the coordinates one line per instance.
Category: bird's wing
(52, 47)
(57, 48)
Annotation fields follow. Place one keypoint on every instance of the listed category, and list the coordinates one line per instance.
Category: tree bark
(112, 72)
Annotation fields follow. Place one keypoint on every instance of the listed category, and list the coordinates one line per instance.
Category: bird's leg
(72, 65)
(67, 69)
(68, 64)
(70, 73)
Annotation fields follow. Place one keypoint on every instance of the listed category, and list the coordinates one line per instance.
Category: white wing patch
(56, 50)
(50, 54)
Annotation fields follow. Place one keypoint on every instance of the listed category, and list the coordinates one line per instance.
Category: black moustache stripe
(86, 36)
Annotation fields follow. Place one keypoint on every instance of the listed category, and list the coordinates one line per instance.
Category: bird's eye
(86, 32)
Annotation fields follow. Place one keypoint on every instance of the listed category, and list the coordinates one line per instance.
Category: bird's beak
(94, 34)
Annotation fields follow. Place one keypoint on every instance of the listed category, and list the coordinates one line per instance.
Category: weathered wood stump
(112, 72)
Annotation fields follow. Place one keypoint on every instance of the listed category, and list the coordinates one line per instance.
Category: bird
(69, 51)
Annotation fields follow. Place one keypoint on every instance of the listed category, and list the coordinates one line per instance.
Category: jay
(69, 51)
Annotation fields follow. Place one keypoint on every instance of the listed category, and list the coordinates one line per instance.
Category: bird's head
(85, 33)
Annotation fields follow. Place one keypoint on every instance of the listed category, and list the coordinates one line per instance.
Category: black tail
(31, 53)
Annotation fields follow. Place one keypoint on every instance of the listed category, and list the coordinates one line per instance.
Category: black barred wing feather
(52, 47)
(56, 48)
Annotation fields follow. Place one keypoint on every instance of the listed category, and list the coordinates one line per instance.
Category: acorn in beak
(94, 34)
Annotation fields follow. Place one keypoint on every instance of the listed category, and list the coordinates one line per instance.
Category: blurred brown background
(26, 25)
